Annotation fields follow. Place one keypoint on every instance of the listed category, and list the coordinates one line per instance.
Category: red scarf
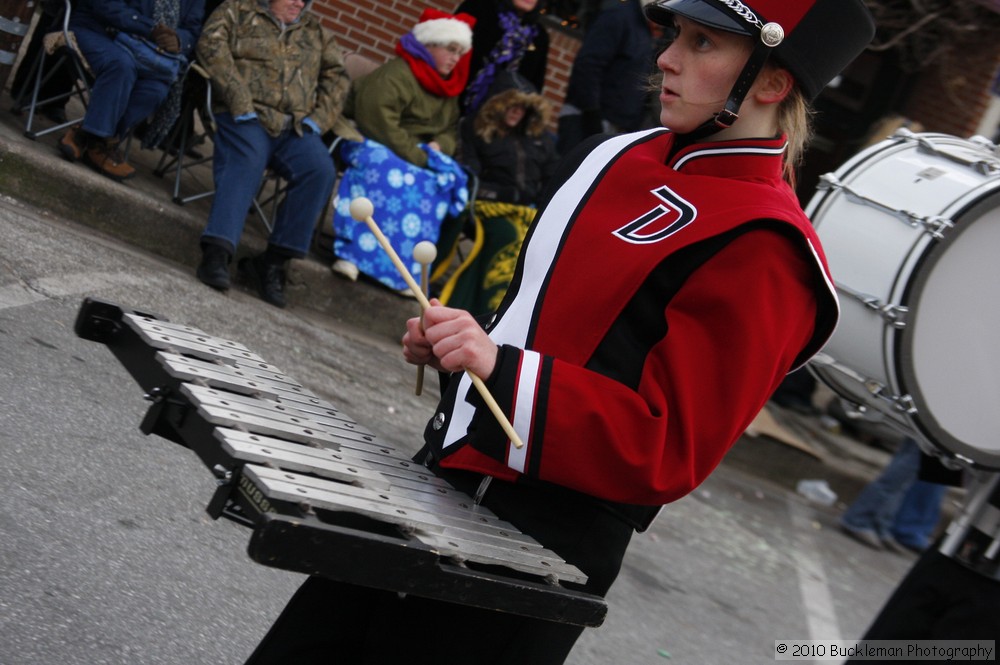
(429, 78)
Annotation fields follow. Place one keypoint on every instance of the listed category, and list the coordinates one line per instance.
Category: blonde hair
(795, 121)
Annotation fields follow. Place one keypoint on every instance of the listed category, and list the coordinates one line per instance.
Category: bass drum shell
(919, 335)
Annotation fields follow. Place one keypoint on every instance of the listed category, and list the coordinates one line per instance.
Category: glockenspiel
(322, 495)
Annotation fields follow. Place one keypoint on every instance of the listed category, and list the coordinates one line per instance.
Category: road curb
(168, 230)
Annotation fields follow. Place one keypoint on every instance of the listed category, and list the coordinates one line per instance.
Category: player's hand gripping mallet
(424, 253)
(361, 210)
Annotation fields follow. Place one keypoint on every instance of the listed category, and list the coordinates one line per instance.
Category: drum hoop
(902, 339)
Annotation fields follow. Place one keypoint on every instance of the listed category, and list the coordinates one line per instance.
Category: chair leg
(79, 90)
(28, 83)
(33, 104)
(181, 137)
(274, 200)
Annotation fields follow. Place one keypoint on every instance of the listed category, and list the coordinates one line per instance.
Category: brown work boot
(73, 143)
(108, 159)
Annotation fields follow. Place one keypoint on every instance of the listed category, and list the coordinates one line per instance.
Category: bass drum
(911, 229)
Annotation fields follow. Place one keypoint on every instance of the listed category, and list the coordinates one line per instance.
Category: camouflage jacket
(283, 73)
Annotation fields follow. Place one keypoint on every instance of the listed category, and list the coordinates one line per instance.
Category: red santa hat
(441, 28)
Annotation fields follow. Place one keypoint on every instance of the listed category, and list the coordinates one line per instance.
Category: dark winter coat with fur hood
(513, 164)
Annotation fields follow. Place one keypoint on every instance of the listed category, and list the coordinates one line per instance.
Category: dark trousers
(330, 622)
(940, 599)
(242, 151)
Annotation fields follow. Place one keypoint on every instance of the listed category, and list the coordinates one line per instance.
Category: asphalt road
(107, 555)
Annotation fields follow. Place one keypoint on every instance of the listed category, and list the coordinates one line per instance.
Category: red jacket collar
(745, 158)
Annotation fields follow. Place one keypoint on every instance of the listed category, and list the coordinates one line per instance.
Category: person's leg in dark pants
(940, 599)
(330, 622)
(241, 153)
(305, 164)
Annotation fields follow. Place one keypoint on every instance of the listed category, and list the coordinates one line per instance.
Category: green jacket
(283, 73)
(389, 106)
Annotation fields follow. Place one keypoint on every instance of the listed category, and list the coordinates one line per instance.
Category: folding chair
(358, 64)
(186, 134)
(58, 53)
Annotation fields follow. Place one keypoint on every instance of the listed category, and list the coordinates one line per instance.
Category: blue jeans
(896, 504)
(242, 152)
(919, 514)
(119, 99)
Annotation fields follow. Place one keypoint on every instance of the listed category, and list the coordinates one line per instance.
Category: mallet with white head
(361, 210)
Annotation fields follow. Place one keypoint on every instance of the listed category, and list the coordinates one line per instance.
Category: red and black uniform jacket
(659, 300)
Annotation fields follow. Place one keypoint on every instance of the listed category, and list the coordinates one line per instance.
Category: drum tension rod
(904, 403)
(933, 225)
(894, 315)
(984, 165)
(901, 403)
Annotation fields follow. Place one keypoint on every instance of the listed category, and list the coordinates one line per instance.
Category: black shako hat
(813, 39)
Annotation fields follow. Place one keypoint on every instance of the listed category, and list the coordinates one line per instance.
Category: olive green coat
(389, 106)
(283, 73)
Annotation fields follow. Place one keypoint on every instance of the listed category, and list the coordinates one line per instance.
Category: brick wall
(952, 95)
(372, 28)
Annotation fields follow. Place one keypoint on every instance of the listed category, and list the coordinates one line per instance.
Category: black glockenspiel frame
(403, 544)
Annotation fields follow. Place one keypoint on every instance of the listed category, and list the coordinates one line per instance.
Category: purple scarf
(506, 54)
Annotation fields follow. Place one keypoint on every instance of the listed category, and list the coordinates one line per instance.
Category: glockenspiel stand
(322, 495)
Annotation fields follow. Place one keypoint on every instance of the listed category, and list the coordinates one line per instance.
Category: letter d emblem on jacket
(662, 221)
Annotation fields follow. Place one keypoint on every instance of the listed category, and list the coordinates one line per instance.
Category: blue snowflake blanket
(410, 203)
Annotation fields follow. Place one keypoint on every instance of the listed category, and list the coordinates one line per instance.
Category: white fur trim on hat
(444, 31)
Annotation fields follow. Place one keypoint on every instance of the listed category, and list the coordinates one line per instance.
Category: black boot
(214, 267)
(266, 273)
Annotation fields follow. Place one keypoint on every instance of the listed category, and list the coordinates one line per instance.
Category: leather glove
(166, 38)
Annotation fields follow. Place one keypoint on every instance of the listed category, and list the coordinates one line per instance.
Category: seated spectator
(508, 146)
(407, 110)
(127, 88)
(279, 81)
(194, 92)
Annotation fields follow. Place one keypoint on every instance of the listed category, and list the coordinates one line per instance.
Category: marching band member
(669, 283)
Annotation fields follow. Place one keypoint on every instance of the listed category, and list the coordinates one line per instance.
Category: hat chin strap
(729, 114)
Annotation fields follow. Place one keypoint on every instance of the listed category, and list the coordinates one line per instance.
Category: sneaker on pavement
(901, 547)
(267, 278)
(108, 160)
(893, 545)
(865, 536)
(345, 269)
